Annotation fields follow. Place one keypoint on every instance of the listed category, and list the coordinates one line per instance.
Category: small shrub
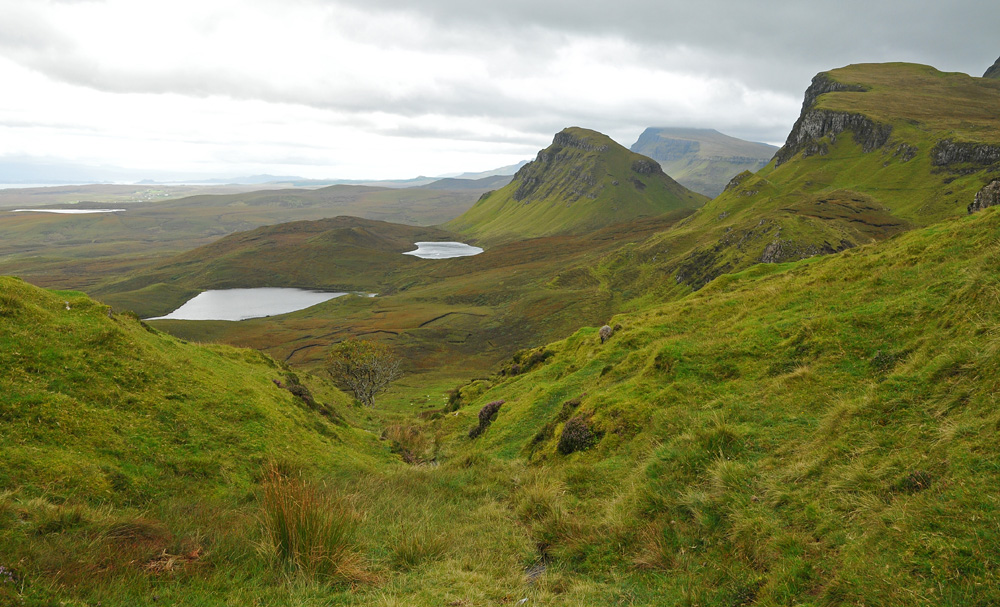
(576, 436)
(486, 416)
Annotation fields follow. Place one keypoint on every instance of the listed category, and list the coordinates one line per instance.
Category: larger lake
(443, 250)
(241, 304)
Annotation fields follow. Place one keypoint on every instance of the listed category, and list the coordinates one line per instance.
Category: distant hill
(703, 160)
(492, 182)
(994, 71)
(505, 170)
(583, 181)
(338, 254)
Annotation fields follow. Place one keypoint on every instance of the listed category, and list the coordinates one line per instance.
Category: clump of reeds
(309, 530)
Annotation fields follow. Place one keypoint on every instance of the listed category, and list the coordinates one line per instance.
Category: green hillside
(878, 149)
(582, 182)
(793, 403)
(703, 160)
(815, 433)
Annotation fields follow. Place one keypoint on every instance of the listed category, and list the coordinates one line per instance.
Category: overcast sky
(394, 89)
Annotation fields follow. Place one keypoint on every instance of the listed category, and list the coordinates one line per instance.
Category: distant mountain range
(703, 160)
(45, 172)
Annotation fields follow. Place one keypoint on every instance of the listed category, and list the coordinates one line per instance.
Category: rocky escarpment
(989, 196)
(562, 158)
(814, 124)
(947, 152)
(532, 175)
(994, 71)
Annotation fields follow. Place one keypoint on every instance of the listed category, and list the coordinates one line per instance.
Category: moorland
(636, 395)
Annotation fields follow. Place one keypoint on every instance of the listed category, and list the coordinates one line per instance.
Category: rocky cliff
(814, 124)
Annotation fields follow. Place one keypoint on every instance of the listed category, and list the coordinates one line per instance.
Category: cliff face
(814, 124)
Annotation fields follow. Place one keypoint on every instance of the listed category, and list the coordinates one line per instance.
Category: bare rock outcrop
(814, 124)
(989, 196)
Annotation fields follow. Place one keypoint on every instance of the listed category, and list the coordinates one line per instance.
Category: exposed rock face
(948, 152)
(989, 196)
(647, 166)
(994, 71)
(533, 174)
(565, 140)
(814, 124)
(736, 181)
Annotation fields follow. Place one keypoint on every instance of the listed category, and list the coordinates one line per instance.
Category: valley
(634, 394)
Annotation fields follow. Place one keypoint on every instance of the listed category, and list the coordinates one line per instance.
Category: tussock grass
(307, 530)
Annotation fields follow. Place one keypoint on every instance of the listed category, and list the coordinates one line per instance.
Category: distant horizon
(390, 90)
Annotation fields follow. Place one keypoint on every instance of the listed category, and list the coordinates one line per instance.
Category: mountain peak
(584, 180)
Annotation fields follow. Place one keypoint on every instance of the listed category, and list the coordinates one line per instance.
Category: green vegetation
(582, 182)
(703, 160)
(816, 433)
(366, 368)
(815, 430)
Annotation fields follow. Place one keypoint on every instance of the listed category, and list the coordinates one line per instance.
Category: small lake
(241, 304)
(443, 250)
(69, 211)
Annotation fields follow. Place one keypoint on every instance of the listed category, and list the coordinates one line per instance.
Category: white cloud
(341, 89)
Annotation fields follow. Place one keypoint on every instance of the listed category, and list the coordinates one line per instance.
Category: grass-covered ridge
(811, 433)
(582, 182)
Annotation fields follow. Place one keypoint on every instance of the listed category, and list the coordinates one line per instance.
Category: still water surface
(240, 304)
(443, 250)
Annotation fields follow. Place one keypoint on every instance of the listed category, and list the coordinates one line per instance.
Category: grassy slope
(582, 182)
(703, 160)
(131, 471)
(810, 433)
(845, 197)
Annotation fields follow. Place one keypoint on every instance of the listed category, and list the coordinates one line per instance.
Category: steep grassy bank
(814, 433)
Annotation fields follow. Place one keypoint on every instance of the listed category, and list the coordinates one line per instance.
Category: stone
(989, 196)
